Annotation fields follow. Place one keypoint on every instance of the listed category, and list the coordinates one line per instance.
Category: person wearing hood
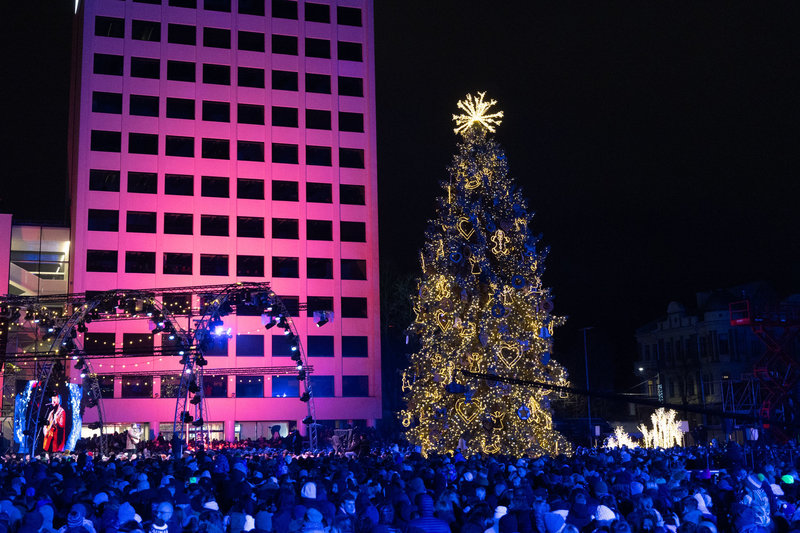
(427, 521)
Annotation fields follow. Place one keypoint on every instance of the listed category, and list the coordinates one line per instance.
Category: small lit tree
(666, 431)
(620, 439)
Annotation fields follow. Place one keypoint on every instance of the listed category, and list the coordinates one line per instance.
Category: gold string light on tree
(480, 305)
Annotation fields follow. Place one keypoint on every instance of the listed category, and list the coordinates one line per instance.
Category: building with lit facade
(224, 141)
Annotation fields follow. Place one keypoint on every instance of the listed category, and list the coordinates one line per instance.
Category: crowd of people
(395, 489)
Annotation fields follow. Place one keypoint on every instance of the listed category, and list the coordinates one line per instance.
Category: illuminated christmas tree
(481, 306)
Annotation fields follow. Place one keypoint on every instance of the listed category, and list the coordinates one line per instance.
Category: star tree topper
(476, 112)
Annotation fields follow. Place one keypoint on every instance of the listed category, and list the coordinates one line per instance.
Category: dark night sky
(656, 142)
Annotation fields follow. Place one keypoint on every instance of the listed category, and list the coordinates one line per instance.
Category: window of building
(249, 386)
(285, 228)
(104, 180)
(319, 230)
(250, 227)
(251, 7)
(178, 184)
(251, 266)
(251, 77)
(283, 80)
(216, 38)
(177, 263)
(351, 86)
(351, 122)
(318, 13)
(292, 305)
(140, 222)
(284, 153)
(215, 386)
(318, 119)
(143, 182)
(249, 151)
(106, 141)
(216, 74)
(284, 116)
(181, 71)
(109, 27)
(214, 225)
(111, 65)
(318, 303)
(143, 143)
(217, 347)
(178, 223)
(250, 345)
(318, 156)
(180, 108)
(216, 149)
(355, 386)
(284, 44)
(216, 111)
(217, 5)
(318, 83)
(145, 30)
(179, 147)
(724, 345)
(321, 386)
(351, 158)
(181, 34)
(250, 114)
(103, 220)
(140, 262)
(214, 186)
(353, 231)
(354, 269)
(284, 9)
(145, 106)
(249, 189)
(101, 260)
(145, 67)
(320, 193)
(353, 307)
(170, 386)
(352, 194)
(99, 343)
(285, 191)
(318, 48)
(354, 346)
(213, 265)
(281, 347)
(251, 40)
(348, 16)
(137, 387)
(285, 267)
(107, 102)
(106, 386)
(285, 387)
(189, 4)
(319, 268)
(349, 51)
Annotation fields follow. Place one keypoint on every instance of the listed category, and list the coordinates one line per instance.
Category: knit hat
(309, 490)
(100, 497)
(500, 511)
(76, 515)
(553, 523)
(425, 504)
(753, 482)
(605, 514)
(787, 479)
(158, 526)
(212, 505)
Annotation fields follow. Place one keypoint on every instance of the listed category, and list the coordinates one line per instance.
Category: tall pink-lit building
(218, 141)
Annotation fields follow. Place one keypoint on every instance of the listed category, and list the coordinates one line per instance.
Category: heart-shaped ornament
(441, 319)
(468, 412)
(509, 354)
(465, 227)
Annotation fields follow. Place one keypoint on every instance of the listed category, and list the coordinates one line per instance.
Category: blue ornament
(498, 310)
(523, 413)
(455, 257)
(545, 358)
(517, 282)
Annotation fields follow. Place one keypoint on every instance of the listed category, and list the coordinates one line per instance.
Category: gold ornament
(476, 112)
(468, 412)
(509, 353)
(500, 243)
(464, 227)
(444, 323)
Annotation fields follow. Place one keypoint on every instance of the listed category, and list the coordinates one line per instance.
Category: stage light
(214, 322)
(301, 375)
(197, 399)
(186, 417)
(308, 420)
(300, 367)
(296, 356)
(82, 327)
(172, 336)
(95, 425)
(305, 397)
(83, 375)
(268, 321)
(197, 423)
(200, 361)
(283, 323)
(15, 315)
(193, 388)
(80, 363)
(322, 317)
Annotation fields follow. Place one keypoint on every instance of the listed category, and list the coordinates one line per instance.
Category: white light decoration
(476, 113)
(666, 431)
(620, 439)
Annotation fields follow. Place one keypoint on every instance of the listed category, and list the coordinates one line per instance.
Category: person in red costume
(55, 429)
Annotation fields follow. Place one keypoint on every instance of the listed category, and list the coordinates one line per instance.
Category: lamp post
(588, 397)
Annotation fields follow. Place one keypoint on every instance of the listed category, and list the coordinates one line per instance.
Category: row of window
(283, 9)
(179, 263)
(246, 386)
(219, 187)
(179, 146)
(282, 80)
(219, 225)
(146, 30)
(213, 111)
(245, 345)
